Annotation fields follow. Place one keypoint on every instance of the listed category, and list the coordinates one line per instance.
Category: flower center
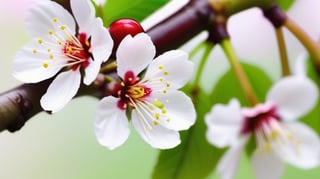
(78, 51)
(255, 118)
(62, 44)
(129, 91)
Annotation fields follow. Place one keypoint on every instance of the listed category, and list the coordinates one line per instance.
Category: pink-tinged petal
(62, 89)
(229, 163)
(224, 123)
(302, 148)
(28, 66)
(40, 19)
(91, 71)
(266, 165)
(293, 96)
(135, 54)
(111, 124)
(173, 110)
(173, 67)
(101, 41)
(157, 136)
(83, 12)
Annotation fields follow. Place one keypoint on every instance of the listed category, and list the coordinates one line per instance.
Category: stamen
(45, 65)
(158, 104)
(40, 41)
(50, 32)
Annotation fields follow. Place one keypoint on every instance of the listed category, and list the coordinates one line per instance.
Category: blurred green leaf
(285, 4)
(195, 157)
(137, 9)
(228, 86)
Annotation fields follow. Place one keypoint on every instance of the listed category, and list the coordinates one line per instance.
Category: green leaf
(137, 9)
(285, 4)
(195, 157)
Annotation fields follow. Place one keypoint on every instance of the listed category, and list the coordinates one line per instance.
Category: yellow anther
(166, 72)
(45, 65)
(122, 84)
(168, 84)
(168, 119)
(267, 146)
(34, 51)
(160, 67)
(274, 134)
(50, 32)
(157, 115)
(40, 41)
(55, 20)
(51, 56)
(164, 111)
(59, 42)
(155, 122)
(49, 50)
(63, 27)
(164, 91)
(151, 107)
(158, 104)
(161, 79)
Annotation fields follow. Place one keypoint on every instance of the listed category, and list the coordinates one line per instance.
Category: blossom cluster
(70, 48)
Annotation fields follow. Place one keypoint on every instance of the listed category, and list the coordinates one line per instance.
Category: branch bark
(19, 104)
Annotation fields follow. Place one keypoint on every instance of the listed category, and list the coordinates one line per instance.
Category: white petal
(229, 163)
(83, 12)
(62, 89)
(110, 124)
(266, 165)
(157, 136)
(135, 53)
(28, 67)
(224, 124)
(39, 19)
(177, 112)
(303, 148)
(172, 66)
(294, 96)
(101, 41)
(100, 2)
(91, 71)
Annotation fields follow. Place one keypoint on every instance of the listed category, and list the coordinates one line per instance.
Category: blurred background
(63, 145)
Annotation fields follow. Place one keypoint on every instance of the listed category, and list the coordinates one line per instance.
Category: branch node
(275, 15)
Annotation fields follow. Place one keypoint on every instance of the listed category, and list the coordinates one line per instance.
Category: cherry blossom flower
(148, 97)
(279, 137)
(64, 45)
